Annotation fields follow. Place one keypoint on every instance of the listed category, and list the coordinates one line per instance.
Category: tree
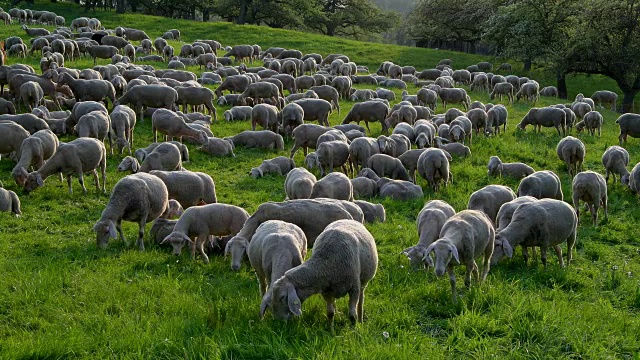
(607, 42)
(348, 18)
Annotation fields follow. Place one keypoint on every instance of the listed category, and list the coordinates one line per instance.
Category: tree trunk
(205, 14)
(562, 86)
(242, 18)
(134, 6)
(120, 6)
(527, 65)
(627, 100)
(331, 29)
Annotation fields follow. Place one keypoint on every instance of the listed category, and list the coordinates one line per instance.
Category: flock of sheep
(318, 213)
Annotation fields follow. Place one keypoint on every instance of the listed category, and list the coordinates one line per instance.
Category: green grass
(61, 297)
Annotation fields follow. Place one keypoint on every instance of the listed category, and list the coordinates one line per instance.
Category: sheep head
(444, 251)
(105, 230)
(237, 247)
(177, 241)
(284, 300)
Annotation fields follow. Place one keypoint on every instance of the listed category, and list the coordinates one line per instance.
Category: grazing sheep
(364, 187)
(581, 109)
(372, 212)
(503, 219)
(29, 122)
(165, 156)
(267, 116)
(460, 129)
(140, 154)
(386, 166)
(409, 160)
(328, 155)
(496, 116)
(399, 190)
(633, 180)
(489, 199)
(514, 170)
(218, 147)
(315, 109)
(172, 125)
(33, 152)
(429, 222)
(501, 89)
(615, 160)
(265, 139)
(333, 186)
(123, 121)
(196, 96)
(543, 223)
(547, 117)
(332, 271)
(148, 96)
(31, 94)
(464, 237)
(572, 151)
(80, 156)
(454, 96)
(97, 125)
(541, 184)
(394, 145)
(550, 91)
(101, 52)
(11, 137)
(592, 121)
(200, 222)
(369, 111)
(299, 184)
(9, 202)
(629, 126)
(591, 188)
(406, 130)
(188, 188)
(433, 166)
(455, 148)
(529, 92)
(605, 97)
(139, 198)
(280, 165)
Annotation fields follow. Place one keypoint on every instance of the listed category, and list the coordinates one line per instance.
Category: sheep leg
(543, 256)
(69, 184)
(200, 240)
(96, 181)
(262, 280)
(361, 305)
(487, 262)
(475, 272)
(354, 299)
(452, 281)
(594, 213)
(331, 310)
(119, 228)
(366, 123)
(141, 224)
(576, 203)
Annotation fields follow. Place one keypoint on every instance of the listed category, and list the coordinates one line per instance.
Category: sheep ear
(226, 248)
(500, 169)
(135, 165)
(295, 306)
(186, 238)
(508, 250)
(111, 228)
(429, 250)
(165, 240)
(266, 302)
(454, 252)
(39, 180)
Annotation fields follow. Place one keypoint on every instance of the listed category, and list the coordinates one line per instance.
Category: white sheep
(333, 186)
(591, 188)
(572, 151)
(343, 261)
(615, 160)
(299, 184)
(515, 170)
(429, 223)
(489, 199)
(9, 201)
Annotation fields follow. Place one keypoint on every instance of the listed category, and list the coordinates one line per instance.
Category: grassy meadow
(62, 297)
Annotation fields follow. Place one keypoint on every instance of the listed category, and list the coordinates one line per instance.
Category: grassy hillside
(61, 297)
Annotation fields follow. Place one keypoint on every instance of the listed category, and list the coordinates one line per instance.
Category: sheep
(89, 90)
(196, 96)
(31, 94)
(202, 221)
(503, 219)
(154, 96)
(406, 113)
(299, 184)
(501, 89)
(331, 271)
(123, 121)
(629, 126)
(454, 96)
(516, 170)
(394, 83)
(581, 99)
(489, 199)
(394, 145)
(541, 184)
(265, 139)
(331, 135)
(615, 161)
(188, 188)
(529, 91)
(409, 160)
(328, 155)
(34, 151)
(232, 100)
(433, 166)
(386, 166)
(581, 109)
(496, 116)
(140, 154)
(633, 180)
(218, 147)
(460, 129)
(443, 131)
(542, 223)
(80, 156)
(452, 114)
(333, 186)
(464, 237)
(171, 124)
(9, 202)
(160, 229)
(406, 130)
(7, 107)
(97, 125)
(479, 119)
(35, 32)
(480, 81)
(550, 91)
(292, 116)
(280, 165)
(139, 198)
(362, 95)
(369, 111)
(605, 97)
(592, 120)
(547, 117)
(364, 187)
(429, 222)
(166, 157)
(11, 137)
(399, 190)
(27, 121)
(572, 151)
(267, 116)
(591, 188)
(455, 148)
(101, 52)
(315, 109)
(427, 97)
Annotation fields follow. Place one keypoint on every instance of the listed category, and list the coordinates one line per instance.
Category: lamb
(615, 160)
(572, 151)
(153, 96)
(34, 151)
(139, 198)
(516, 170)
(196, 96)
(489, 199)
(364, 187)
(464, 237)
(97, 125)
(372, 212)
(123, 121)
(218, 147)
(331, 271)
(592, 121)
(333, 186)
(328, 155)
(202, 221)
(455, 148)
(591, 188)
(399, 190)
(31, 94)
(501, 89)
(547, 117)
(140, 154)
(258, 139)
(80, 156)
(433, 166)
(188, 188)
(299, 184)
(430, 220)
(171, 124)
(280, 165)
(543, 223)
(369, 111)
(276, 247)
(9, 202)
(311, 215)
(541, 184)
(629, 126)
(386, 166)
